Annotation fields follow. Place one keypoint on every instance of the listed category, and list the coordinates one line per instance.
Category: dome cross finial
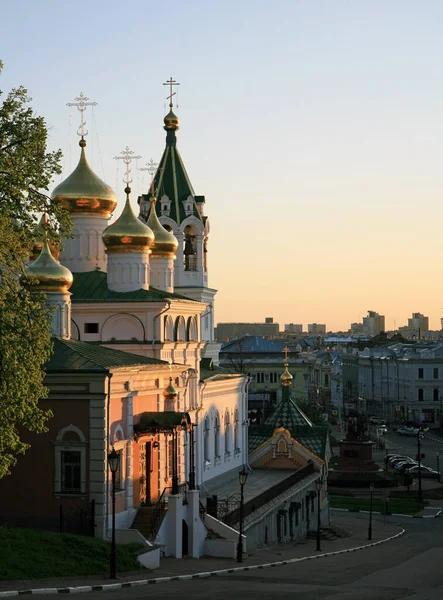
(81, 102)
(171, 82)
(127, 156)
(286, 351)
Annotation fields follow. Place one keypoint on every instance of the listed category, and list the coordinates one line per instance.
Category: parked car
(382, 429)
(425, 472)
(401, 465)
(376, 421)
(402, 459)
(405, 466)
(389, 457)
(407, 431)
(393, 459)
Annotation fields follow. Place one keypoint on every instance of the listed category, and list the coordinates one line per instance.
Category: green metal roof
(93, 287)
(173, 181)
(288, 415)
(73, 355)
(314, 439)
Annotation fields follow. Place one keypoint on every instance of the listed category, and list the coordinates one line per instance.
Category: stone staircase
(148, 520)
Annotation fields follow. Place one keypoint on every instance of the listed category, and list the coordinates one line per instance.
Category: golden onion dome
(37, 247)
(171, 121)
(83, 192)
(165, 243)
(128, 233)
(47, 274)
(286, 377)
(170, 393)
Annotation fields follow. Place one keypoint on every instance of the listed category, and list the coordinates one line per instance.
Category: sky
(313, 127)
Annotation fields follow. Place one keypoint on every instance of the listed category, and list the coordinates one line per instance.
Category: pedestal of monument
(356, 457)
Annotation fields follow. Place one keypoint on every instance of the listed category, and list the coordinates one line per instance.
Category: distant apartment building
(403, 381)
(231, 331)
(417, 327)
(372, 325)
(293, 328)
(317, 328)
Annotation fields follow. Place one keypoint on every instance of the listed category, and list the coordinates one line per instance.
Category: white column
(175, 517)
(61, 315)
(193, 497)
(179, 267)
(129, 460)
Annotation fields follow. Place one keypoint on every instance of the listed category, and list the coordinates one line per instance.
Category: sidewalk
(346, 532)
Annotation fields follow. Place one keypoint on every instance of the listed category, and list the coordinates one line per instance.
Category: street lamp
(242, 475)
(114, 464)
(437, 454)
(371, 490)
(318, 485)
(419, 492)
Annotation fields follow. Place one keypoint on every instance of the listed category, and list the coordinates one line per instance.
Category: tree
(26, 171)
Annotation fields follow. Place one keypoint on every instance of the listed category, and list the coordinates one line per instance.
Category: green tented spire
(171, 178)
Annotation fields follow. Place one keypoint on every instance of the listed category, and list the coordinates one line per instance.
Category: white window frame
(60, 446)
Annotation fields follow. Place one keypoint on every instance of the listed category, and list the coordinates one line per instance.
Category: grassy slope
(395, 505)
(28, 554)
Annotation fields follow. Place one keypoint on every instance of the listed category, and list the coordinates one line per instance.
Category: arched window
(190, 248)
(282, 446)
(217, 436)
(70, 461)
(236, 432)
(206, 440)
(192, 333)
(180, 330)
(227, 433)
(169, 329)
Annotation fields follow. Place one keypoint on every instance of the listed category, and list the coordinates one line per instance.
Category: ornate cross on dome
(127, 156)
(171, 82)
(286, 352)
(151, 168)
(81, 102)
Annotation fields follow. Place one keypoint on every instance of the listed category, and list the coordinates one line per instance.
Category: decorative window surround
(61, 445)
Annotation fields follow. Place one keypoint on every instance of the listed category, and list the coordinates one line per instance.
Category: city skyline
(315, 133)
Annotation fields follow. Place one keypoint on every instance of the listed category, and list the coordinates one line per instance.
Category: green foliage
(28, 554)
(26, 171)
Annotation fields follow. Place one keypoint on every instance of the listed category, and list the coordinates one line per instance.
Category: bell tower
(181, 212)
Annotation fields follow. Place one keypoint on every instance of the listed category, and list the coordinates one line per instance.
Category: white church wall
(222, 415)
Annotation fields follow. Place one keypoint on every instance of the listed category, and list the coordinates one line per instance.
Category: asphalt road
(409, 567)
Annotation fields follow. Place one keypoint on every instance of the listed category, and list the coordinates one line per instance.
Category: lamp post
(371, 490)
(114, 464)
(242, 475)
(419, 491)
(437, 454)
(318, 485)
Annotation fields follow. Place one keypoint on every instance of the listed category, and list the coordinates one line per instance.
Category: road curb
(141, 582)
(388, 514)
(433, 439)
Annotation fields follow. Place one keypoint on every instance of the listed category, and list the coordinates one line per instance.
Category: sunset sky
(314, 129)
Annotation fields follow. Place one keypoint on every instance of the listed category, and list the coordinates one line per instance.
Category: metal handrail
(266, 496)
(159, 508)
